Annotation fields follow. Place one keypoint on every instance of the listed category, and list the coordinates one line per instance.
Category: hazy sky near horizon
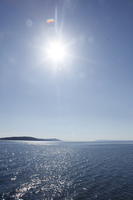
(88, 96)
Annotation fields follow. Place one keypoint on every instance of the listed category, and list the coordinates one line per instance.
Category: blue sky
(90, 95)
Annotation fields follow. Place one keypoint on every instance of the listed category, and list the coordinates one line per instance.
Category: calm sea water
(69, 171)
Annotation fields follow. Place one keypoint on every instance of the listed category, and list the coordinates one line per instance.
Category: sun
(56, 51)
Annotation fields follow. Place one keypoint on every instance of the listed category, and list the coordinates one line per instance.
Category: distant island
(26, 138)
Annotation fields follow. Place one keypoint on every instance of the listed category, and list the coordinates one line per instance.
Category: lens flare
(49, 21)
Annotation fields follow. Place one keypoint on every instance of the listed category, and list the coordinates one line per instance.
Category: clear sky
(89, 95)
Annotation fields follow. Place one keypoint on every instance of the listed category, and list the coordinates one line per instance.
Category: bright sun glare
(56, 51)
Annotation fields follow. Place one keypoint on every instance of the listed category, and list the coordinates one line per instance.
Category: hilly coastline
(27, 138)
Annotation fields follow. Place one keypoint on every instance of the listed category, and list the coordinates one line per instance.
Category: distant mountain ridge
(27, 138)
(113, 141)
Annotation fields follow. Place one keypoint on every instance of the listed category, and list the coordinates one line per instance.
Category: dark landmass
(26, 138)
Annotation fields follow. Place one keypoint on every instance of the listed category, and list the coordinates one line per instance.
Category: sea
(65, 171)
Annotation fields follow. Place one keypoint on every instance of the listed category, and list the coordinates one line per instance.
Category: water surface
(69, 171)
